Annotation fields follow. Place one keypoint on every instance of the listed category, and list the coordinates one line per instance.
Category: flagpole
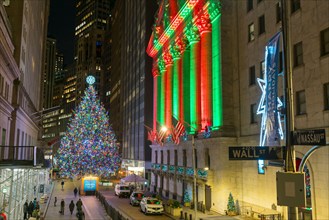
(194, 177)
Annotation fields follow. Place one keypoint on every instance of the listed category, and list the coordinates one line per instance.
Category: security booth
(89, 185)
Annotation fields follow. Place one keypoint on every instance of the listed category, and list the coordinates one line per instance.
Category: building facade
(23, 40)
(207, 57)
(136, 84)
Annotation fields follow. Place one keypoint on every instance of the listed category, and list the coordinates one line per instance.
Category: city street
(131, 212)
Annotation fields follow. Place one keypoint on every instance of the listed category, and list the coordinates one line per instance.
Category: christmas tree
(89, 144)
(230, 204)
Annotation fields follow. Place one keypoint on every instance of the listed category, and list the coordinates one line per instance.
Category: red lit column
(204, 26)
(155, 74)
(193, 37)
(168, 85)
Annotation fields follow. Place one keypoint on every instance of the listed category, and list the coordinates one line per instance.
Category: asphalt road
(128, 211)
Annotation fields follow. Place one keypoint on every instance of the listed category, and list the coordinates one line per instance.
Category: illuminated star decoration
(89, 146)
(261, 110)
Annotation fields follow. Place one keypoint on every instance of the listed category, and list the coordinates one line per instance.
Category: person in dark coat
(71, 206)
(30, 209)
(55, 201)
(62, 183)
(25, 209)
(79, 205)
(62, 206)
(75, 191)
(80, 214)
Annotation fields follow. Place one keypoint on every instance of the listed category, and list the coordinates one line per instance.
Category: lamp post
(194, 177)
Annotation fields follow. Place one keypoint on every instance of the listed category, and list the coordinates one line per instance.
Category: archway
(305, 213)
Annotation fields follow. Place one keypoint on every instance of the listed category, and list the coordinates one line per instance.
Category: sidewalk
(52, 212)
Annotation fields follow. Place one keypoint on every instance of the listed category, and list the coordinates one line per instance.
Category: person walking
(80, 215)
(62, 183)
(25, 209)
(75, 192)
(62, 207)
(79, 205)
(71, 206)
(55, 201)
(30, 209)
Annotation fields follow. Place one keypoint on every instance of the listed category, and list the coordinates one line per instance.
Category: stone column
(168, 85)
(193, 37)
(204, 26)
(155, 73)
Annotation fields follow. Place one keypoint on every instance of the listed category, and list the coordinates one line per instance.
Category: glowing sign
(271, 129)
(90, 80)
(89, 185)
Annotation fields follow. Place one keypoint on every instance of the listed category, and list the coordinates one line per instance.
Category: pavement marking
(85, 207)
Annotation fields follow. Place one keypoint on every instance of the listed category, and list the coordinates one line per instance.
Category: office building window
(261, 25)
(278, 12)
(295, 5)
(252, 76)
(262, 69)
(326, 96)
(251, 32)
(298, 54)
(176, 158)
(301, 102)
(253, 113)
(250, 5)
(184, 158)
(325, 42)
(161, 156)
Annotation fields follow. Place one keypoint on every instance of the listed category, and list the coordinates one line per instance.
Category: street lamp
(194, 177)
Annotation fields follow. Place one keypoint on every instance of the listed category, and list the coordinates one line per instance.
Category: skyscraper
(91, 19)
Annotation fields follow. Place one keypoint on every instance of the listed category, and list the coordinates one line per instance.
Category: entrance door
(208, 197)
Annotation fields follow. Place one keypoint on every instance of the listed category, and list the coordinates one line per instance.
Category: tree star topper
(90, 79)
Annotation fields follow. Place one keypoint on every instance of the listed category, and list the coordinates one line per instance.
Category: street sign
(309, 137)
(256, 153)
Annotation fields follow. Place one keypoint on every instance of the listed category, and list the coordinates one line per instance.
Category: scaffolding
(18, 185)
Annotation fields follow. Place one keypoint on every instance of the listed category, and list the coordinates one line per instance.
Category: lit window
(298, 54)
(301, 102)
(251, 32)
(326, 96)
(325, 42)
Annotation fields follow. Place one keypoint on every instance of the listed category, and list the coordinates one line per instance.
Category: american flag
(161, 135)
(178, 131)
(151, 135)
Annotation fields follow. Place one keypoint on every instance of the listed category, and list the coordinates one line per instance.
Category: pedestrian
(79, 205)
(71, 206)
(62, 207)
(34, 204)
(55, 201)
(62, 183)
(80, 215)
(75, 191)
(25, 209)
(30, 209)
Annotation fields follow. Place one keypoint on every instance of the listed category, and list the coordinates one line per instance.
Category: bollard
(185, 216)
(190, 216)
(181, 215)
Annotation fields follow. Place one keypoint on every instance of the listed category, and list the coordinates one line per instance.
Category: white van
(122, 190)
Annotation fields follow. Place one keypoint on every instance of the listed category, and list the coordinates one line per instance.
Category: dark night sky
(61, 26)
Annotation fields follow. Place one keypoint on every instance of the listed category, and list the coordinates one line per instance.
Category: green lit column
(217, 97)
(176, 81)
(185, 102)
(193, 37)
(168, 89)
(161, 89)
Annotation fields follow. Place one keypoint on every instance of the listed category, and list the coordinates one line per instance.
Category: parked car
(150, 205)
(122, 190)
(136, 197)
